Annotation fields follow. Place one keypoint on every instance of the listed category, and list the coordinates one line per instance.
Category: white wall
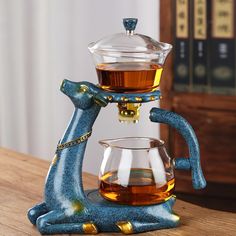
(43, 42)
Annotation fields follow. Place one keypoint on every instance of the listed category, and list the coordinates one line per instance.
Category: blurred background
(201, 86)
(43, 42)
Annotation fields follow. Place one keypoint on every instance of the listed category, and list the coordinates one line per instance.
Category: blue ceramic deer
(67, 208)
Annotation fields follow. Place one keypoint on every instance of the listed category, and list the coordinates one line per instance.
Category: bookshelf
(213, 118)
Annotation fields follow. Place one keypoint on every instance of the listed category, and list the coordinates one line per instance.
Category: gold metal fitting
(90, 228)
(129, 112)
(125, 227)
(124, 99)
(176, 217)
(152, 98)
(62, 84)
(77, 206)
(54, 160)
(83, 88)
(74, 142)
(110, 98)
(100, 101)
(138, 99)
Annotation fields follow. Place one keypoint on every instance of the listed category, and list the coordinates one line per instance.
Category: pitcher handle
(184, 128)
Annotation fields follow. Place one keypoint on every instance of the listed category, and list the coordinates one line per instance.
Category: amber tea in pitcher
(136, 171)
(141, 189)
(129, 76)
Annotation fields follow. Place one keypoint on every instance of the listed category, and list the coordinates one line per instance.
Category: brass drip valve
(129, 112)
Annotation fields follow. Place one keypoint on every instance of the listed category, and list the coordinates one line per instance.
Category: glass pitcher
(129, 62)
(136, 171)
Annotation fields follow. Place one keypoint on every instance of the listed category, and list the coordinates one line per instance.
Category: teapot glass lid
(130, 44)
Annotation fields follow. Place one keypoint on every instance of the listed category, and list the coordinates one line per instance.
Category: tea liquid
(129, 77)
(141, 190)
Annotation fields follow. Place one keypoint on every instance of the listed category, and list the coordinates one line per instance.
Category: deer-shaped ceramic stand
(67, 208)
(129, 67)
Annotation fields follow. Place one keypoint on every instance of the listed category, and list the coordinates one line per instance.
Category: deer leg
(131, 227)
(171, 221)
(36, 211)
(52, 223)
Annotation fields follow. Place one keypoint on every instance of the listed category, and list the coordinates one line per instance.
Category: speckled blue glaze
(103, 95)
(130, 23)
(184, 128)
(66, 206)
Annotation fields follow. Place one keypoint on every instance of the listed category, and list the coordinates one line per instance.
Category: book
(182, 46)
(200, 56)
(222, 47)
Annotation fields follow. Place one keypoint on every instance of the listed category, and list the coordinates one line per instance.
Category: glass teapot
(136, 171)
(129, 62)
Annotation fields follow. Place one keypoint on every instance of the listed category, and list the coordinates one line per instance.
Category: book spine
(222, 48)
(200, 46)
(181, 46)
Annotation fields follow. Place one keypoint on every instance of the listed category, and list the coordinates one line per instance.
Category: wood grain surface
(21, 186)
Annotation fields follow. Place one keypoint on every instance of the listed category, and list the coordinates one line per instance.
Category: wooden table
(21, 186)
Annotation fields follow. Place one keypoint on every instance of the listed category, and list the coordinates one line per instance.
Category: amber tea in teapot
(129, 62)
(129, 76)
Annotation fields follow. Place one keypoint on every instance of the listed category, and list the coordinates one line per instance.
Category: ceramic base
(104, 216)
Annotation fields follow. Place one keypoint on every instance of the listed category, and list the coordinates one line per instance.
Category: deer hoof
(90, 228)
(125, 227)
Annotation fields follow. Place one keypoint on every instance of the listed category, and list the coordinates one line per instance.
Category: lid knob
(130, 24)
